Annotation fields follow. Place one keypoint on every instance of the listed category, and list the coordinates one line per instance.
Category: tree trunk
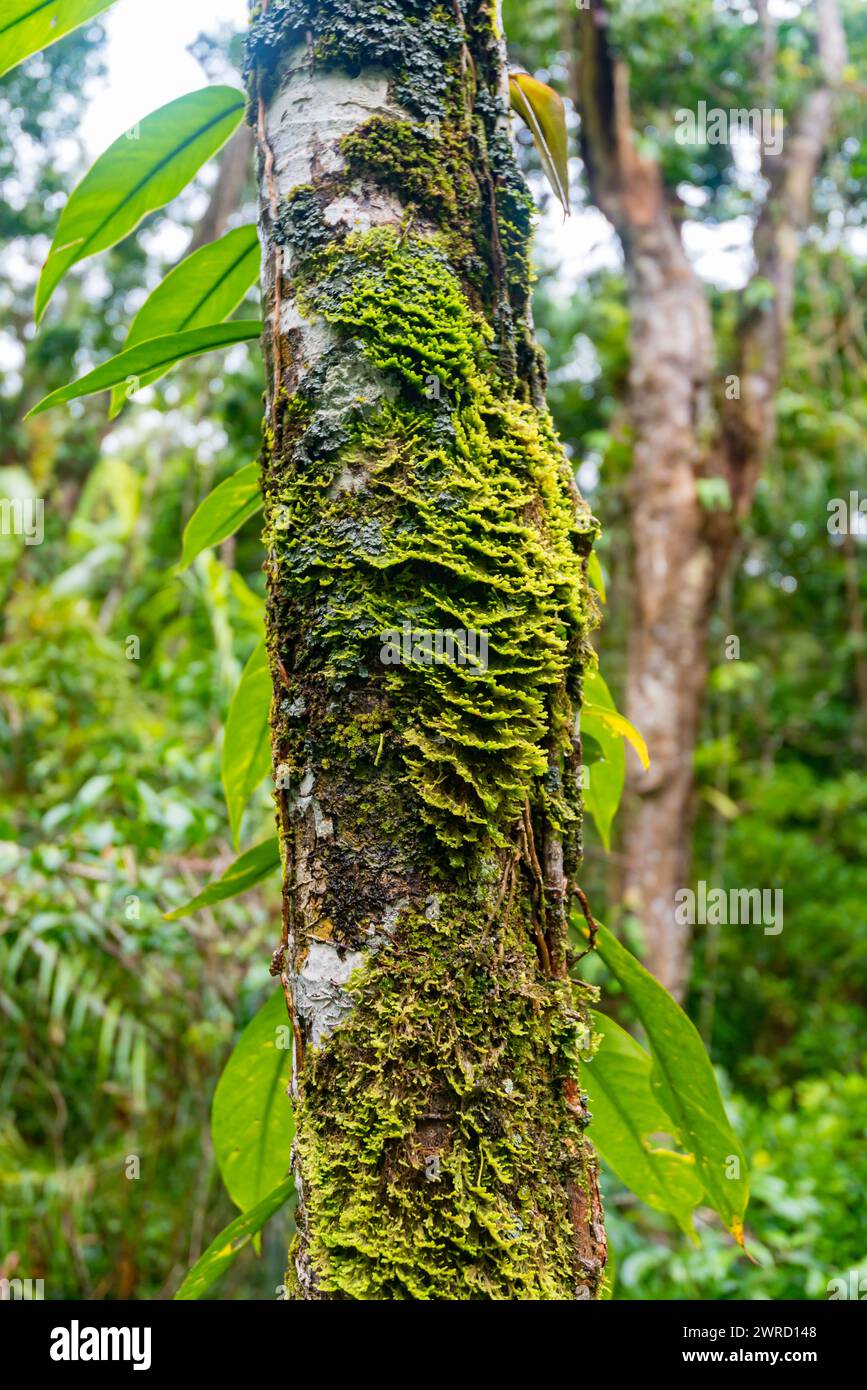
(428, 619)
(227, 193)
(681, 552)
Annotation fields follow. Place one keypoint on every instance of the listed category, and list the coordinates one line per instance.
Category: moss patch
(437, 1153)
(454, 512)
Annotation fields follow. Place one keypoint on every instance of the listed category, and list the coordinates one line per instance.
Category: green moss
(438, 1156)
(415, 478)
(461, 517)
(413, 39)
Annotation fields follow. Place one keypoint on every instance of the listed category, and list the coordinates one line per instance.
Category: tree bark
(685, 429)
(427, 794)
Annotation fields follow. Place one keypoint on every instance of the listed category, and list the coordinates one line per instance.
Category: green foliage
(225, 1247)
(111, 768)
(808, 1175)
(222, 513)
(246, 871)
(607, 771)
(27, 27)
(682, 1080)
(246, 746)
(141, 171)
(149, 360)
(203, 290)
(543, 110)
(626, 1115)
(251, 1121)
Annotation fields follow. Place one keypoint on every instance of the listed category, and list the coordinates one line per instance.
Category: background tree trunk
(685, 428)
(428, 809)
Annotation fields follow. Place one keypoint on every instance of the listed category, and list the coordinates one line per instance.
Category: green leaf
(683, 1080)
(594, 708)
(594, 574)
(230, 1242)
(222, 512)
(625, 1114)
(606, 776)
(246, 745)
(204, 289)
(251, 1118)
(247, 870)
(157, 354)
(28, 26)
(544, 112)
(143, 170)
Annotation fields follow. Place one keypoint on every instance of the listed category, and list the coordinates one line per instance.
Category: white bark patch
(311, 113)
(362, 213)
(320, 999)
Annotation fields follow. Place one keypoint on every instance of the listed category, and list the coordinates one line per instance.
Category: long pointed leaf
(625, 1114)
(230, 1242)
(597, 704)
(142, 171)
(544, 112)
(28, 26)
(683, 1080)
(157, 354)
(246, 744)
(607, 776)
(222, 512)
(251, 1118)
(247, 870)
(204, 289)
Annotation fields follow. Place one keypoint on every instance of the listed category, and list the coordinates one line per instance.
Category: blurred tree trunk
(692, 419)
(428, 809)
(228, 192)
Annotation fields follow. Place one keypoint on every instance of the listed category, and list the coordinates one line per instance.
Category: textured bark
(429, 812)
(684, 429)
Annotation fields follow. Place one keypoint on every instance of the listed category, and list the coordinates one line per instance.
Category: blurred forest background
(116, 1023)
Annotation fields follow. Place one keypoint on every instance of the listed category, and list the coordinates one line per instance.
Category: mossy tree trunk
(427, 784)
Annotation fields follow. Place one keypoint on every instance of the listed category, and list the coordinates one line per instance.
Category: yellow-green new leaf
(246, 745)
(596, 706)
(625, 1115)
(28, 26)
(222, 513)
(204, 289)
(131, 366)
(545, 113)
(683, 1081)
(230, 1242)
(142, 171)
(606, 776)
(251, 1117)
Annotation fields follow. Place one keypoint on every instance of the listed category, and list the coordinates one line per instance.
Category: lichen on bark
(429, 810)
